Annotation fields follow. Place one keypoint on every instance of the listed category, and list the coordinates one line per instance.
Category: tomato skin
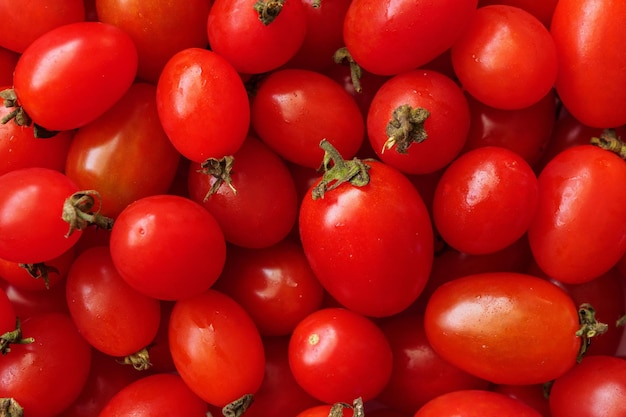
(507, 328)
(570, 240)
(584, 32)
(337, 355)
(362, 242)
(475, 403)
(216, 347)
(63, 91)
(167, 247)
(388, 39)
(117, 153)
(542, 10)
(203, 105)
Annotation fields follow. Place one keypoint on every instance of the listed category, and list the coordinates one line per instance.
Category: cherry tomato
(507, 328)
(216, 347)
(38, 277)
(475, 403)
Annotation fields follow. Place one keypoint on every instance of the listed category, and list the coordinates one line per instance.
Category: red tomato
(173, 26)
(572, 241)
(38, 277)
(390, 38)
(507, 328)
(585, 32)
(485, 200)
(603, 393)
(158, 395)
(30, 372)
(542, 10)
(124, 154)
(216, 347)
(60, 89)
(293, 109)
(475, 403)
(256, 36)
(337, 355)
(506, 59)
(203, 105)
(323, 411)
(370, 246)
(167, 247)
(418, 121)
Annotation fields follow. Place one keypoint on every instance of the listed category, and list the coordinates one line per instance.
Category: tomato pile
(312, 208)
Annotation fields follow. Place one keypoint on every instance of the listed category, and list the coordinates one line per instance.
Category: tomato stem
(78, 213)
(268, 10)
(13, 337)
(609, 141)
(9, 407)
(405, 128)
(356, 406)
(238, 407)
(317, 4)
(139, 360)
(220, 169)
(40, 271)
(343, 56)
(355, 171)
(589, 327)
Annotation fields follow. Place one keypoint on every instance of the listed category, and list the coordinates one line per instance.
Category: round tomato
(475, 403)
(507, 328)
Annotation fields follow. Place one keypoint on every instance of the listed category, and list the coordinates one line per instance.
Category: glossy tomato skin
(542, 10)
(30, 372)
(124, 154)
(63, 91)
(203, 105)
(167, 247)
(216, 347)
(337, 355)
(371, 247)
(603, 392)
(585, 31)
(446, 126)
(475, 403)
(36, 232)
(571, 241)
(387, 39)
(507, 328)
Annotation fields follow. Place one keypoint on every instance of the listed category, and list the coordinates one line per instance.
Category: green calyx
(340, 171)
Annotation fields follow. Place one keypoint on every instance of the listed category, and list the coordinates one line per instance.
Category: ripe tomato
(585, 32)
(507, 328)
(389, 38)
(61, 90)
(418, 121)
(38, 277)
(167, 247)
(337, 355)
(485, 200)
(475, 403)
(203, 105)
(571, 240)
(124, 154)
(216, 347)
(506, 59)
(370, 246)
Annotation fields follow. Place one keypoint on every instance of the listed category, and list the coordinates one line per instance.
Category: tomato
(389, 38)
(602, 393)
(167, 247)
(59, 89)
(370, 244)
(38, 277)
(293, 109)
(507, 328)
(202, 105)
(172, 27)
(323, 411)
(108, 313)
(30, 372)
(22, 25)
(256, 36)
(485, 200)
(475, 403)
(542, 10)
(124, 154)
(584, 32)
(275, 285)
(506, 59)
(216, 347)
(256, 203)
(337, 355)
(418, 121)
(570, 239)
(158, 395)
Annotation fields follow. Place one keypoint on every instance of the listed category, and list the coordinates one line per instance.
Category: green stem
(354, 171)
(589, 328)
(238, 407)
(9, 407)
(139, 360)
(14, 337)
(221, 170)
(268, 10)
(609, 141)
(343, 56)
(78, 212)
(40, 271)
